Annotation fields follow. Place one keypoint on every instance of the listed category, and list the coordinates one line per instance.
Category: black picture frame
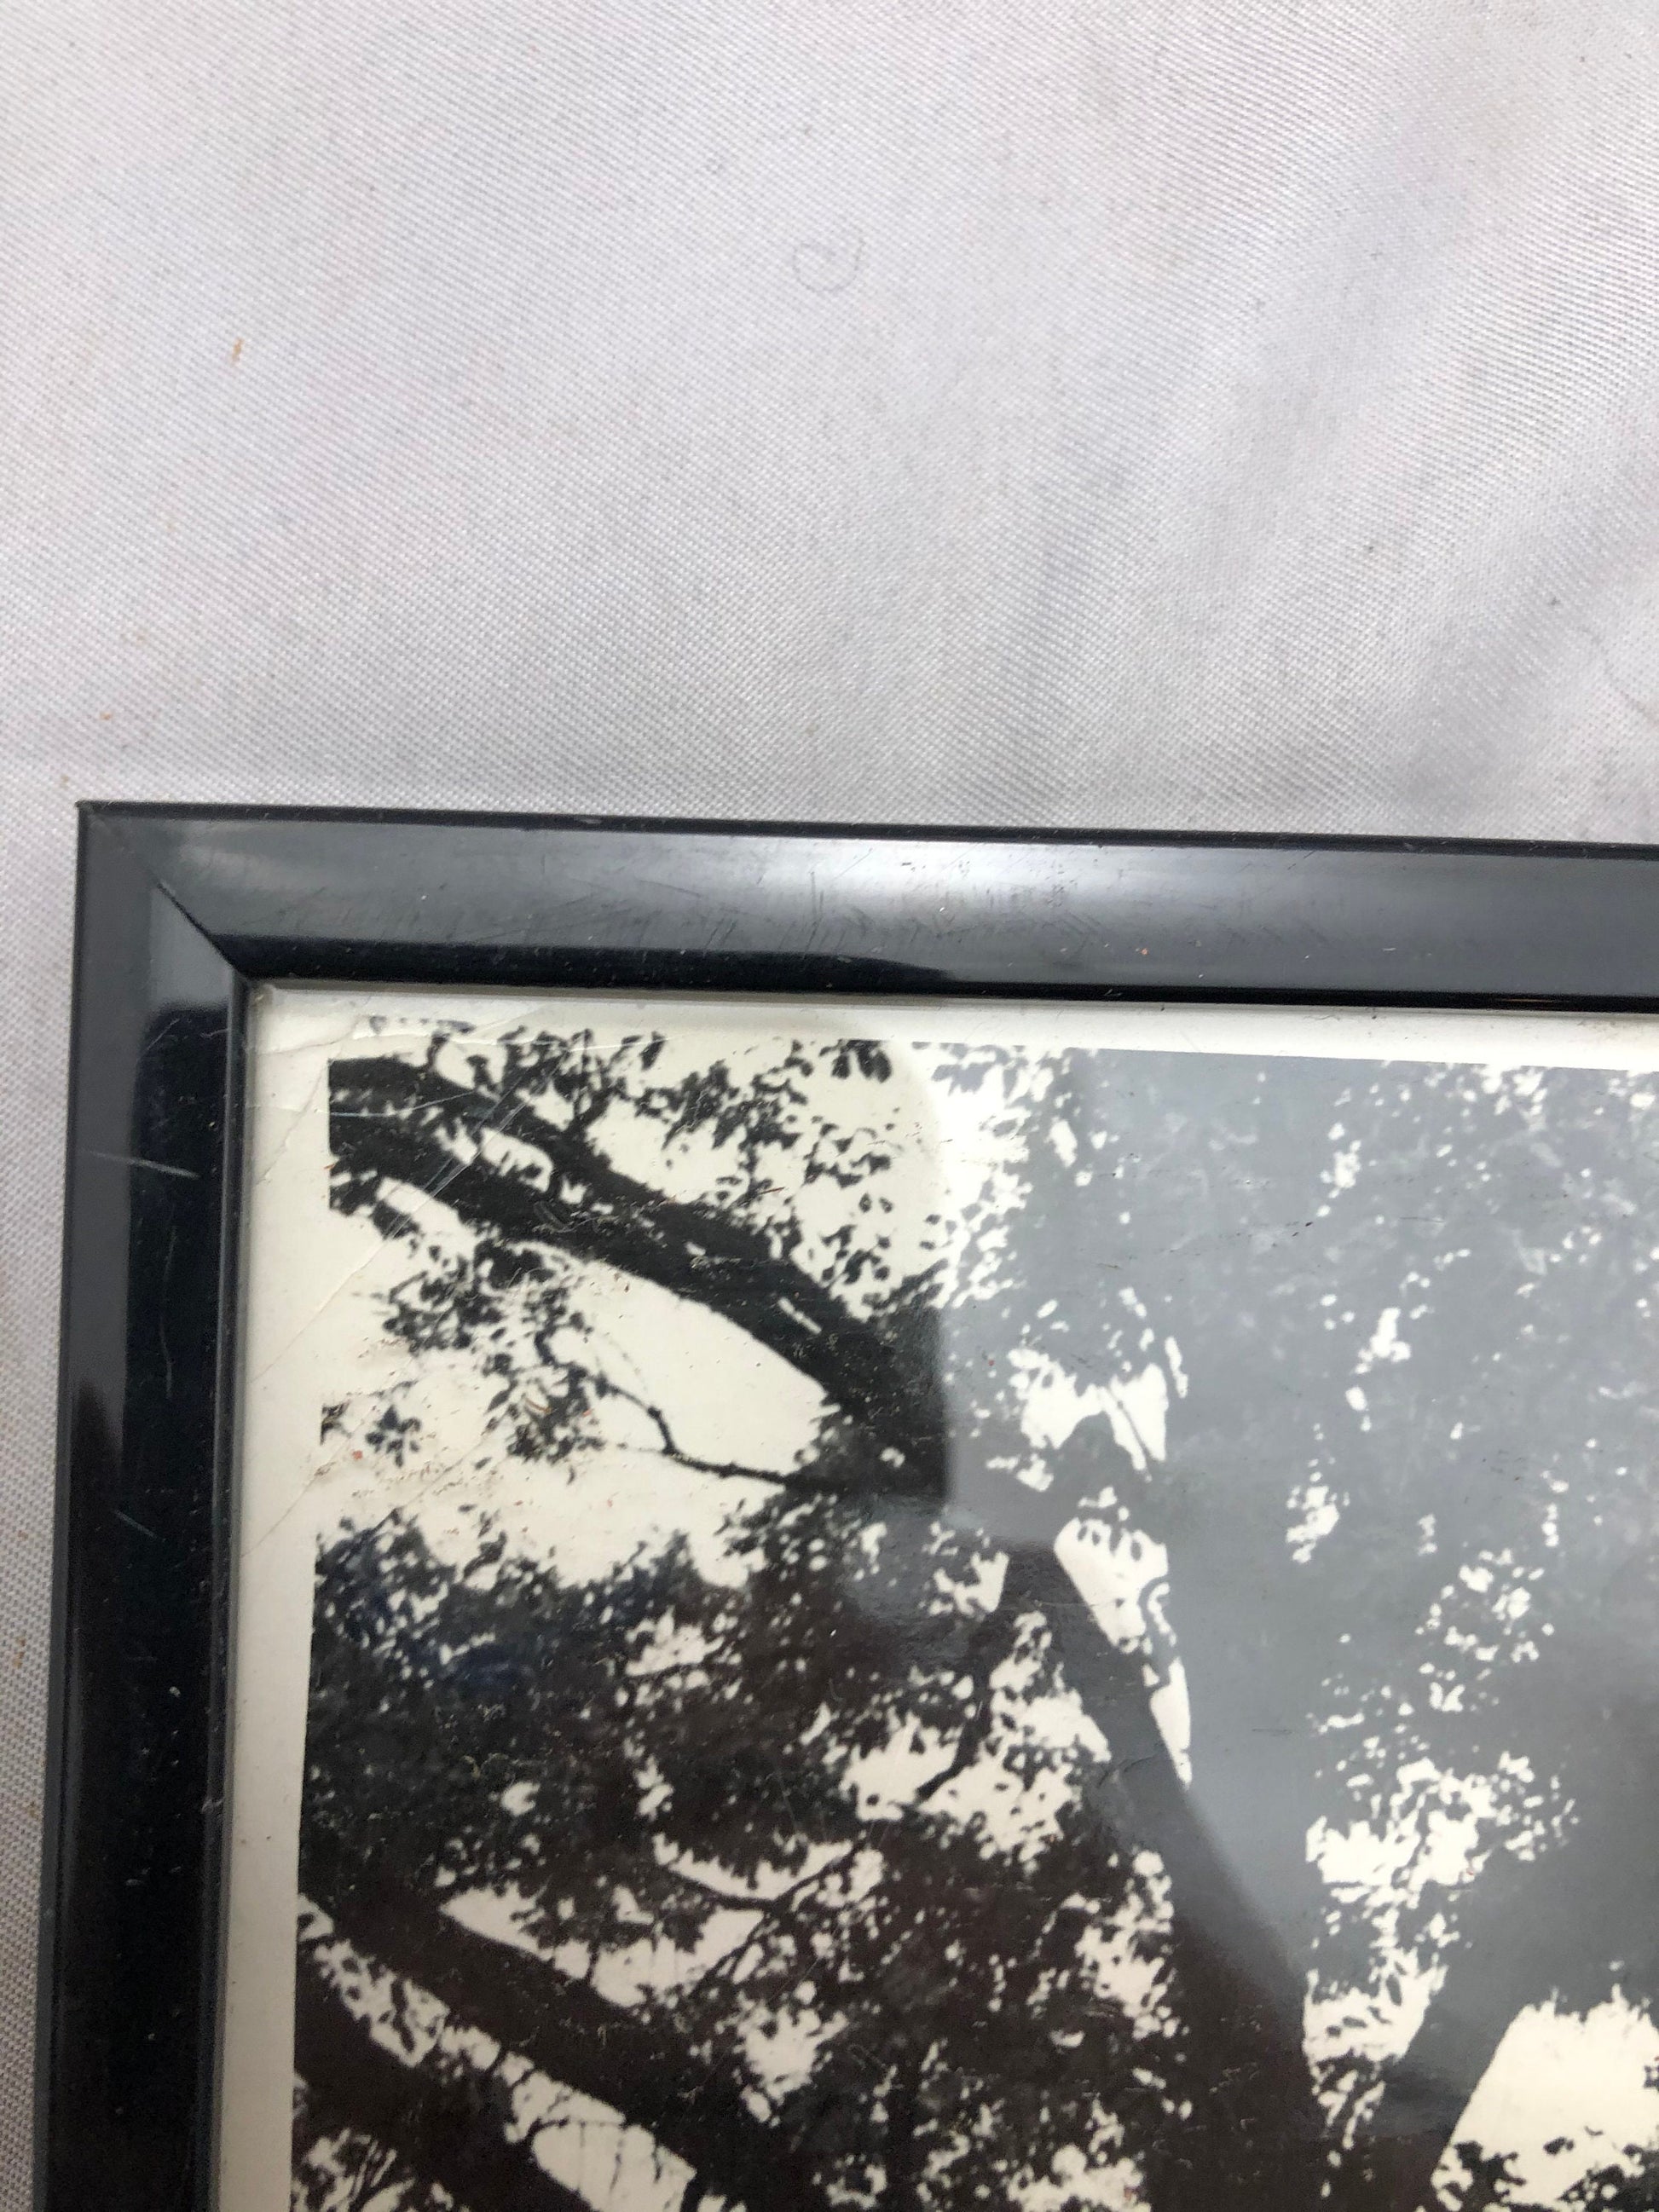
(180, 910)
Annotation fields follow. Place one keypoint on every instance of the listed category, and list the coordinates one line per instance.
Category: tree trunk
(1534, 1930)
(903, 2159)
(1255, 2139)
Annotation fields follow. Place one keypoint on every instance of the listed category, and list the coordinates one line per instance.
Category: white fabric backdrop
(1145, 412)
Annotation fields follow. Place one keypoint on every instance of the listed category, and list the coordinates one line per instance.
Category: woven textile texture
(1144, 412)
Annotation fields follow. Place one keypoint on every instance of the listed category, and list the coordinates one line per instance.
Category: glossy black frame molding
(180, 909)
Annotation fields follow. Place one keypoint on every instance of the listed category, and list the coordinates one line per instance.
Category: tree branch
(1533, 1930)
(673, 1450)
(992, 1641)
(389, 1118)
(441, 2121)
(1256, 2137)
(566, 2029)
(902, 2151)
(746, 1900)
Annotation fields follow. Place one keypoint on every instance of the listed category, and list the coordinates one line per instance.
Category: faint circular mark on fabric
(828, 264)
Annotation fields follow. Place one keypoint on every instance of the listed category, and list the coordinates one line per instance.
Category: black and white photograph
(928, 1609)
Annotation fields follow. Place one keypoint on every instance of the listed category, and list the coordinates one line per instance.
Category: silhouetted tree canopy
(1180, 1692)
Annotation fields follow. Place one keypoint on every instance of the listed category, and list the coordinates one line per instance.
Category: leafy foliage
(686, 1776)
(865, 1815)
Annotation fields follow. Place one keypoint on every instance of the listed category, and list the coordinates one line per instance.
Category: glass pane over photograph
(929, 1606)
